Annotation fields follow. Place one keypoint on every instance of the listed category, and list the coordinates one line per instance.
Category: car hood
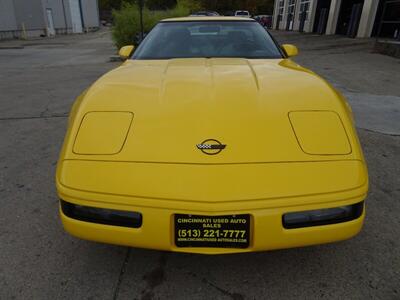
(179, 103)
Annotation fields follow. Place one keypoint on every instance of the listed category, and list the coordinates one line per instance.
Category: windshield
(245, 39)
(242, 13)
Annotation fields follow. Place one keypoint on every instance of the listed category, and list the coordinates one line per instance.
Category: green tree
(160, 4)
(126, 28)
(112, 4)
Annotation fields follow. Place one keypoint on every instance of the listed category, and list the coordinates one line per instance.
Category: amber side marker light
(102, 215)
(324, 216)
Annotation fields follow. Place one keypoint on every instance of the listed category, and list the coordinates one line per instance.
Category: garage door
(75, 16)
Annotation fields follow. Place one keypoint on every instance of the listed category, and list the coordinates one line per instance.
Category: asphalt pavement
(38, 83)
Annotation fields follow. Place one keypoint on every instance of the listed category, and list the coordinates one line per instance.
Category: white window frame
(291, 7)
(281, 6)
(304, 3)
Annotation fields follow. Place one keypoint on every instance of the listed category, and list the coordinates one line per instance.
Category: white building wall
(296, 25)
(282, 24)
(7, 16)
(68, 14)
(76, 16)
(333, 17)
(275, 14)
(308, 25)
(367, 18)
(59, 13)
(30, 13)
(28, 18)
(90, 11)
(366, 22)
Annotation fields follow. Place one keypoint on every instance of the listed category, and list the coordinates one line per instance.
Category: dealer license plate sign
(231, 231)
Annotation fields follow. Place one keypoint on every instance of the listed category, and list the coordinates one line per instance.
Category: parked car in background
(204, 13)
(264, 20)
(242, 13)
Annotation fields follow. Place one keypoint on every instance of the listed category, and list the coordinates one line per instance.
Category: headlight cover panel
(102, 133)
(320, 132)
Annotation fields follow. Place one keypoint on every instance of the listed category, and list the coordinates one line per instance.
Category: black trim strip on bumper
(102, 215)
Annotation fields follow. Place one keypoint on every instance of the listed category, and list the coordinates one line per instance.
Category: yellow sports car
(209, 139)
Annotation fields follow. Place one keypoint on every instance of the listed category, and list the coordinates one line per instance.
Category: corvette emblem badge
(211, 147)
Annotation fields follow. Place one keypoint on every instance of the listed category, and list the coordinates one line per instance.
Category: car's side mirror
(290, 50)
(126, 51)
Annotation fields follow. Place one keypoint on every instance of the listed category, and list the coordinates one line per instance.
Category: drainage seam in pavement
(374, 131)
(121, 273)
(32, 117)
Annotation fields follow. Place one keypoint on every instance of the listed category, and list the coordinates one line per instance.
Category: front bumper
(266, 229)
(264, 191)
